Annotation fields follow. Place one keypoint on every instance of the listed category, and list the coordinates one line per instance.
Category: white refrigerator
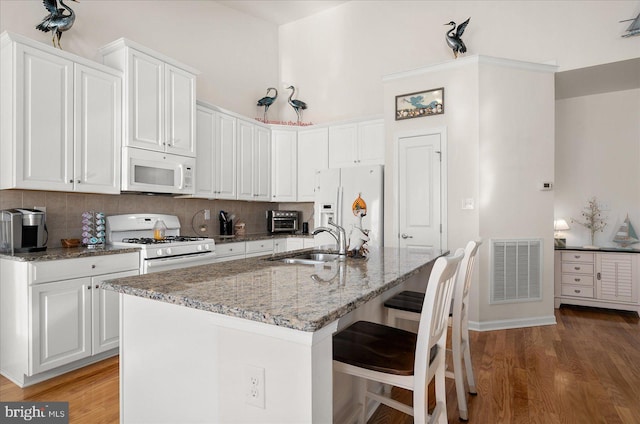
(342, 194)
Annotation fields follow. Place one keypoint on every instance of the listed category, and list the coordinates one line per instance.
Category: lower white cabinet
(606, 279)
(54, 313)
(259, 247)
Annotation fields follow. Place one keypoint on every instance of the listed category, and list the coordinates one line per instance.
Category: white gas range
(172, 252)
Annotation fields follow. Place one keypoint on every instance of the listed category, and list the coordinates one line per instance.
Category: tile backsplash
(64, 210)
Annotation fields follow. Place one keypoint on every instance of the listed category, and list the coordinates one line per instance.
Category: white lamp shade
(560, 225)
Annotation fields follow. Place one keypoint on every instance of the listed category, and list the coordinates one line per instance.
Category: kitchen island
(249, 340)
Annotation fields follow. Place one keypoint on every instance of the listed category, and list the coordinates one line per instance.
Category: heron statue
(267, 101)
(453, 40)
(297, 105)
(57, 22)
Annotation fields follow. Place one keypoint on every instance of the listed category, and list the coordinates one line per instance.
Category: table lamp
(560, 225)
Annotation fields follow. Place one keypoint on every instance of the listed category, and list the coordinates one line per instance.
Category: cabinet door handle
(598, 276)
(576, 279)
(577, 256)
(577, 268)
(577, 291)
(93, 266)
(97, 286)
(89, 287)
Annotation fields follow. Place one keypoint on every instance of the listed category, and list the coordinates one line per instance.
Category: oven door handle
(151, 263)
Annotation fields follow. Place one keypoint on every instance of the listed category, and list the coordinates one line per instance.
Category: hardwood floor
(585, 369)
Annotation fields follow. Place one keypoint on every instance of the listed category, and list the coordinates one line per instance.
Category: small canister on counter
(240, 229)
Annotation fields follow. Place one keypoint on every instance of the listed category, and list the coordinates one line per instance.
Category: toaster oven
(283, 221)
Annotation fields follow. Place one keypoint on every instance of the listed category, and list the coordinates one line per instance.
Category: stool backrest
(463, 282)
(435, 313)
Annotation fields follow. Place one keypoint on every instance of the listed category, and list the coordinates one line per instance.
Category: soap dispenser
(159, 229)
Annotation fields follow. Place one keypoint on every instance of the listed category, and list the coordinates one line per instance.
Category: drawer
(260, 246)
(578, 279)
(577, 291)
(577, 257)
(230, 249)
(65, 269)
(577, 268)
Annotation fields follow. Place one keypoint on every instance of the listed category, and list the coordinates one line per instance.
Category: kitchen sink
(310, 258)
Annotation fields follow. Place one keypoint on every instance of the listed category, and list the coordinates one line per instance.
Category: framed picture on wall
(420, 103)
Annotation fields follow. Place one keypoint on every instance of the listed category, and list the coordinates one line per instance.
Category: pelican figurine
(297, 105)
(267, 101)
(453, 40)
(56, 22)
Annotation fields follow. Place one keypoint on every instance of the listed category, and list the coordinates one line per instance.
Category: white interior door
(419, 191)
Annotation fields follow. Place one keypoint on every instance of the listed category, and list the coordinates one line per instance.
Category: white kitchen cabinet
(61, 313)
(355, 144)
(105, 313)
(284, 173)
(216, 159)
(597, 278)
(62, 120)
(259, 247)
(205, 145)
(230, 251)
(54, 316)
(313, 154)
(279, 245)
(160, 102)
(254, 161)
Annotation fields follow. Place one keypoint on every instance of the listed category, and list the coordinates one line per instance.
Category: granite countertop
(258, 236)
(56, 253)
(601, 249)
(281, 294)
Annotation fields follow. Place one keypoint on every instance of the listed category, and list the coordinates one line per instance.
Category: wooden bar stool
(401, 358)
(408, 305)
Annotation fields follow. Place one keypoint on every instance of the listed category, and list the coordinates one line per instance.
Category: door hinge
(440, 228)
(439, 155)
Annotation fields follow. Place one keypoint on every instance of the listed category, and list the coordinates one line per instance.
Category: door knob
(406, 236)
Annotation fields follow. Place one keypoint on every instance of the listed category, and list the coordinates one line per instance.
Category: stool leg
(458, 374)
(467, 360)
(363, 399)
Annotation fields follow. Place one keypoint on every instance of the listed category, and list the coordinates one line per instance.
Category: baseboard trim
(506, 324)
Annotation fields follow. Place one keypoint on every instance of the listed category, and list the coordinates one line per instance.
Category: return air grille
(516, 270)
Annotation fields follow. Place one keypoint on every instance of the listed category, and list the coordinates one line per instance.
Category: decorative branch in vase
(593, 220)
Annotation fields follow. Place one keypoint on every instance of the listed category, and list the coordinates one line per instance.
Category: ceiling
(616, 76)
(281, 12)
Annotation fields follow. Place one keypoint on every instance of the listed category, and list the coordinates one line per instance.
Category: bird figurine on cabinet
(453, 39)
(57, 22)
(297, 105)
(267, 101)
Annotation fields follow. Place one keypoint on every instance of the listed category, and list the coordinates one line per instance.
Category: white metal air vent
(516, 270)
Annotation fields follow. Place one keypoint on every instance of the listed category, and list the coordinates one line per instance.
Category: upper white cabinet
(355, 144)
(159, 98)
(254, 161)
(313, 154)
(61, 120)
(283, 164)
(216, 159)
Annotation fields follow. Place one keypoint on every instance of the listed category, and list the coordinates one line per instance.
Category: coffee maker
(22, 230)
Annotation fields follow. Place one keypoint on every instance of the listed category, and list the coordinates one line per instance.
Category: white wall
(337, 58)
(236, 54)
(598, 154)
(500, 145)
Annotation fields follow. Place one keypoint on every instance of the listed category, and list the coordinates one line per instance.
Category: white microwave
(156, 172)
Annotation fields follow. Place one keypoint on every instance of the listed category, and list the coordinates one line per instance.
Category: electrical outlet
(254, 381)
(207, 214)
(41, 208)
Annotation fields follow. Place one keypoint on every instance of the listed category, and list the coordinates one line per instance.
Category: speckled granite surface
(52, 254)
(261, 236)
(276, 293)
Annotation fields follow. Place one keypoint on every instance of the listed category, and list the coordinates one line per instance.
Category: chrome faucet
(339, 234)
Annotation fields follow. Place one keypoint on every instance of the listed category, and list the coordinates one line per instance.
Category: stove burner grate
(169, 239)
